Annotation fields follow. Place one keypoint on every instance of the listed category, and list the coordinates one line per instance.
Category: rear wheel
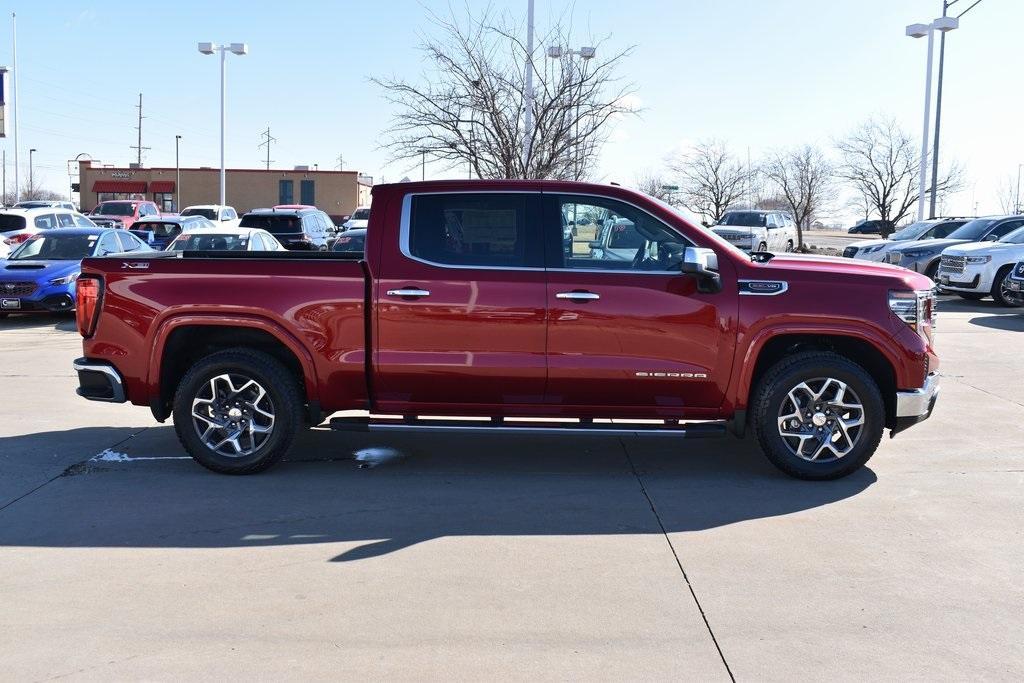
(1001, 289)
(237, 411)
(818, 415)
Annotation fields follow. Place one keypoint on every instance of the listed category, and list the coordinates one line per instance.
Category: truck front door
(631, 336)
(460, 304)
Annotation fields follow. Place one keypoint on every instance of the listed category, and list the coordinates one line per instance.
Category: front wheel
(789, 246)
(762, 247)
(236, 412)
(1001, 292)
(818, 415)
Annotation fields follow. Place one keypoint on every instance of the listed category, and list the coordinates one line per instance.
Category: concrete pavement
(524, 557)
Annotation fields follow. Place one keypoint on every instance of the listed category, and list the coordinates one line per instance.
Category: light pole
(528, 93)
(31, 184)
(72, 169)
(586, 54)
(209, 49)
(1016, 200)
(177, 175)
(946, 4)
(920, 31)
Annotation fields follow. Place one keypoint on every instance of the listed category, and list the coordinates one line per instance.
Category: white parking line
(108, 455)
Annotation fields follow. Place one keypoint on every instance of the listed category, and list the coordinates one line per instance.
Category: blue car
(39, 276)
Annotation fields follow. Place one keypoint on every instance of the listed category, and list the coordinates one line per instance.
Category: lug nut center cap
(818, 419)
(236, 414)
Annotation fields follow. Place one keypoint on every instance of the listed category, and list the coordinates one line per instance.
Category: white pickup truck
(222, 216)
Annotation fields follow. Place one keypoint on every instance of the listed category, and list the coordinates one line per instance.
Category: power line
(341, 162)
(269, 139)
(138, 146)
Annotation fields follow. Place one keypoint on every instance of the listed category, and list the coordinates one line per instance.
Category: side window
(310, 225)
(128, 242)
(285, 192)
(611, 235)
(229, 214)
(83, 222)
(1005, 229)
(256, 242)
(108, 245)
(475, 229)
(46, 221)
(65, 220)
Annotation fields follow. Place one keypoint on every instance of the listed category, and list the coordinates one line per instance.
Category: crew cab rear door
(460, 315)
(629, 336)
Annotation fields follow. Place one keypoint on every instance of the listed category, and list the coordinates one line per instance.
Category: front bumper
(972, 279)
(99, 381)
(916, 405)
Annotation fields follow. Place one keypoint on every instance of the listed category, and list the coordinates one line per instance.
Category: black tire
(772, 392)
(932, 270)
(281, 387)
(762, 247)
(789, 247)
(997, 289)
(971, 296)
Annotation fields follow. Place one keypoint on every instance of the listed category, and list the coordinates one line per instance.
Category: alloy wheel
(821, 419)
(233, 415)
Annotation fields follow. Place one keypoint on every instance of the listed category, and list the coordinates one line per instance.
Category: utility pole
(528, 92)
(4, 197)
(266, 142)
(177, 175)
(138, 147)
(15, 77)
(423, 165)
(341, 162)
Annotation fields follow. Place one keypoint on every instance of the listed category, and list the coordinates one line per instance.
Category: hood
(972, 248)
(353, 223)
(38, 270)
(863, 244)
(833, 268)
(930, 245)
(738, 231)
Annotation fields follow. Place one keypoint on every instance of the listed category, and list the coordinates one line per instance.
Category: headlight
(868, 250)
(979, 259)
(919, 253)
(66, 280)
(915, 308)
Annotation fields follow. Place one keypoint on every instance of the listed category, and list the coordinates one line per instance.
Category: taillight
(17, 239)
(87, 305)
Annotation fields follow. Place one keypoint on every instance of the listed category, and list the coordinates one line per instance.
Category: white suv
(222, 216)
(772, 231)
(981, 269)
(17, 225)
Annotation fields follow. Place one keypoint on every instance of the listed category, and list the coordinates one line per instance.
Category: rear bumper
(916, 405)
(99, 381)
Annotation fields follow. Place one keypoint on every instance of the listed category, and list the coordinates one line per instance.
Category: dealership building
(335, 192)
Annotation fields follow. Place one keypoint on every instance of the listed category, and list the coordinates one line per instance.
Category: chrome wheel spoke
(820, 419)
(233, 415)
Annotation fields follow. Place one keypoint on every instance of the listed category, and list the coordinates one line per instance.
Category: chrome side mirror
(702, 263)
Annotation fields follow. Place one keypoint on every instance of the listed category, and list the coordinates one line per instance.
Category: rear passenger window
(475, 229)
(46, 221)
(65, 220)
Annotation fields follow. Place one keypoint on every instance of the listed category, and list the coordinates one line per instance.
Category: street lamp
(586, 54)
(942, 24)
(177, 174)
(31, 185)
(209, 49)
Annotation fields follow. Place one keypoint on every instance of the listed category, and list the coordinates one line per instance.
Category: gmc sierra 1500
(468, 302)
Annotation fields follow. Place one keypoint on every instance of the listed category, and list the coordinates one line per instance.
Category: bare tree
(468, 107)
(803, 177)
(712, 178)
(1006, 193)
(880, 162)
(655, 185)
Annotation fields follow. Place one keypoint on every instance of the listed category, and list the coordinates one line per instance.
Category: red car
(469, 302)
(122, 213)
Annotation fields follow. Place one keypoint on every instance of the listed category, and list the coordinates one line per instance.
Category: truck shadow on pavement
(63, 322)
(368, 496)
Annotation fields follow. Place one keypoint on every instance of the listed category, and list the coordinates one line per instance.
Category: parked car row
(971, 258)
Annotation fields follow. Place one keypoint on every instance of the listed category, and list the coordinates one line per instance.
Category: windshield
(750, 219)
(210, 242)
(158, 229)
(1015, 237)
(10, 221)
(350, 243)
(55, 248)
(275, 225)
(205, 213)
(115, 209)
(361, 215)
(972, 230)
(912, 231)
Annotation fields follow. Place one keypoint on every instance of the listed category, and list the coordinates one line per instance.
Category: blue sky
(757, 74)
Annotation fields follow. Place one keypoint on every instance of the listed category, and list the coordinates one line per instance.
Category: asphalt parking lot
(526, 558)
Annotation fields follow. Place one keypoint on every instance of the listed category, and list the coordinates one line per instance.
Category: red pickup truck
(484, 301)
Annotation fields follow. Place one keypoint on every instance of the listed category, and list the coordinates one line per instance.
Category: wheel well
(188, 344)
(860, 352)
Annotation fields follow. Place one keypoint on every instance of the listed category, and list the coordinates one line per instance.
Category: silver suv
(924, 256)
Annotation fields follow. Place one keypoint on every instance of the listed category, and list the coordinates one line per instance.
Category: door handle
(578, 296)
(408, 292)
